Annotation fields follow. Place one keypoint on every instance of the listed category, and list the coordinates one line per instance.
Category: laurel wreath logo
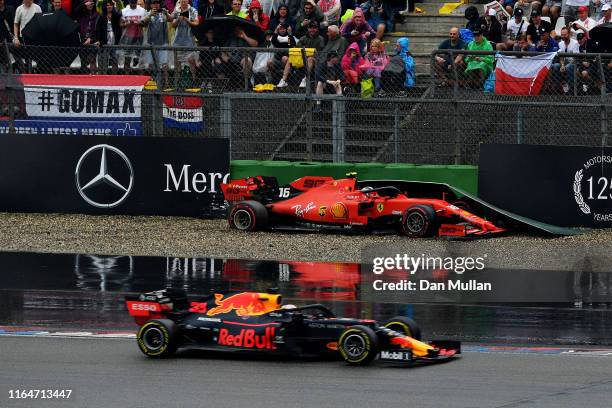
(584, 207)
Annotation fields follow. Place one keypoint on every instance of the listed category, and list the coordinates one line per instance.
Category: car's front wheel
(419, 221)
(405, 326)
(358, 345)
(158, 338)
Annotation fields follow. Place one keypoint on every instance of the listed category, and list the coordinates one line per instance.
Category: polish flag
(522, 76)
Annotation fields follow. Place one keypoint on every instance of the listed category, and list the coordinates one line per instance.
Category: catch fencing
(442, 119)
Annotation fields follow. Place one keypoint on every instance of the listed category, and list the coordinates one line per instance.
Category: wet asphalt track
(113, 373)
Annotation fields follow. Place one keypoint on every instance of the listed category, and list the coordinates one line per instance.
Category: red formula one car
(257, 322)
(416, 209)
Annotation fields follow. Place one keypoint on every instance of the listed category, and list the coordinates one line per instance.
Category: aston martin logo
(123, 188)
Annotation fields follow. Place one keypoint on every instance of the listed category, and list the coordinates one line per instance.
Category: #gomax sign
(102, 105)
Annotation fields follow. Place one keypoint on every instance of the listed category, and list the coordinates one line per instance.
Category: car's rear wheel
(405, 326)
(419, 221)
(248, 216)
(158, 338)
(358, 345)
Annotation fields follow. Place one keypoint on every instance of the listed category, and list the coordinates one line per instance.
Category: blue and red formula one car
(257, 322)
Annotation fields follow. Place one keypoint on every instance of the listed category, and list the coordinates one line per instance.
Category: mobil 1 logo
(592, 187)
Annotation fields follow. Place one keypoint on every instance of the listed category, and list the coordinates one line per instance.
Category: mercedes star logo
(103, 176)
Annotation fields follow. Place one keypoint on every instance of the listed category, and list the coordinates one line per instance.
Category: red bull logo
(246, 304)
(248, 338)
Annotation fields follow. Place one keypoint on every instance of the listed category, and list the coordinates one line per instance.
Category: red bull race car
(416, 209)
(257, 322)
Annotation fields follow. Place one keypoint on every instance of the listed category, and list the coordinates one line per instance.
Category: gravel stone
(190, 237)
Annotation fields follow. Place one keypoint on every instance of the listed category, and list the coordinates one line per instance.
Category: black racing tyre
(358, 345)
(419, 221)
(248, 216)
(405, 326)
(158, 338)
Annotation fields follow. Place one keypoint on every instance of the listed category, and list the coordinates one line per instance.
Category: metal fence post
(520, 125)
(8, 86)
(603, 110)
(338, 124)
(226, 119)
(396, 135)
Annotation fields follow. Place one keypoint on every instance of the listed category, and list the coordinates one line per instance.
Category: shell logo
(339, 210)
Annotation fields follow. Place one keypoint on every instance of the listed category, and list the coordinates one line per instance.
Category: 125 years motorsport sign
(560, 185)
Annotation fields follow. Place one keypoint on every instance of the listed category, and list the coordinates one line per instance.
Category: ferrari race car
(257, 322)
(416, 209)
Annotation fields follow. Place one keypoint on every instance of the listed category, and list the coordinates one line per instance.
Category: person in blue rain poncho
(403, 50)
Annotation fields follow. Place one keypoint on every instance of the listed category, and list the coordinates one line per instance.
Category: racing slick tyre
(405, 326)
(158, 338)
(358, 345)
(248, 216)
(419, 221)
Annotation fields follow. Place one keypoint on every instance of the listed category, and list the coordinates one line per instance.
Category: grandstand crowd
(346, 36)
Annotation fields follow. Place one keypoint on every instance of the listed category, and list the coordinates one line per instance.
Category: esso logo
(144, 306)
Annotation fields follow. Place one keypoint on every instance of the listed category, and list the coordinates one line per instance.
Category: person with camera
(184, 18)
(156, 22)
(310, 13)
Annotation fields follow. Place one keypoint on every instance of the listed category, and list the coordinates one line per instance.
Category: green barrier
(463, 177)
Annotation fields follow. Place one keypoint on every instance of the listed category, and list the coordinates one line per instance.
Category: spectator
(236, 9)
(156, 22)
(108, 32)
(237, 60)
(444, 62)
(310, 13)
(552, 9)
(523, 45)
(183, 19)
(283, 17)
(547, 43)
(402, 47)
(379, 16)
(474, 20)
(7, 19)
(331, 11)
(310, 40)
(571, 9)
(584, 22)
(563, 71)
(606, 11)
(45, 5)
(65, 5)
(329, 77)
(351, 63)
(374, 62)
(294, 6)
(99, 5)
(478, 66)
(281, 39)
(335, 43)
(515, 27)
(537, 27)
(528, 6)
(87, 17)
(209, 57)
(588, 67)
(257, 16)
(23, 15)
(133, 34)
(208, 9)
(492, 28)
(358, 30)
